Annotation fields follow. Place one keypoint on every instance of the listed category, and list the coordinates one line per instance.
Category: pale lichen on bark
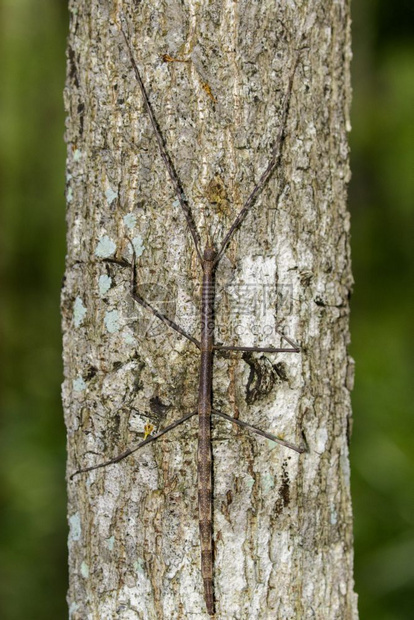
(283, 522)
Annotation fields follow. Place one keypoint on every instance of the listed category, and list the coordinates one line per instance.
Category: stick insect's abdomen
(205, 483)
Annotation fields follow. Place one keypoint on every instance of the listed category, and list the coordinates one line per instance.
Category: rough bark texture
(282, 521)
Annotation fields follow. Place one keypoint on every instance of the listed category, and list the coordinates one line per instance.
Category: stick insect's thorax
(207, 299)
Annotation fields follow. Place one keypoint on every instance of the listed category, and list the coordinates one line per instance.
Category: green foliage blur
(382, 208)
(33, 529)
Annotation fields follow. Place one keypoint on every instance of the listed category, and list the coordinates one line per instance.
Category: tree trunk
(282, 521)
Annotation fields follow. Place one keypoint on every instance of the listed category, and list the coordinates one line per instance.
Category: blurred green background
(33, 575)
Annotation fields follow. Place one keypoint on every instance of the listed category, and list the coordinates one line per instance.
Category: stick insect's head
(209, 253)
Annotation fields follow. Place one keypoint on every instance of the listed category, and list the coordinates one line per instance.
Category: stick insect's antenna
(273, 163)
(166, 158)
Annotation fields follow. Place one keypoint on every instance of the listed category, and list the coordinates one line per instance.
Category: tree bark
(282, 521)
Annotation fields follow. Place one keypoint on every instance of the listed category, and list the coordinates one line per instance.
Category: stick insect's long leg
(165, 319)
(166, 158)
(294, 347)
(273, 163)
(149, 439)
(219, 347)
(258, 431)
(146, 304)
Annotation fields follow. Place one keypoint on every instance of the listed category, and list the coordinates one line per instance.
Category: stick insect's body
(204, 455)
(209, 260)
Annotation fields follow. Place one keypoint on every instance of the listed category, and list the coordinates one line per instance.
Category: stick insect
(208, 259)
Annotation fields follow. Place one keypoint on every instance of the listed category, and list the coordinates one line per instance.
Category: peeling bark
(282, 521)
